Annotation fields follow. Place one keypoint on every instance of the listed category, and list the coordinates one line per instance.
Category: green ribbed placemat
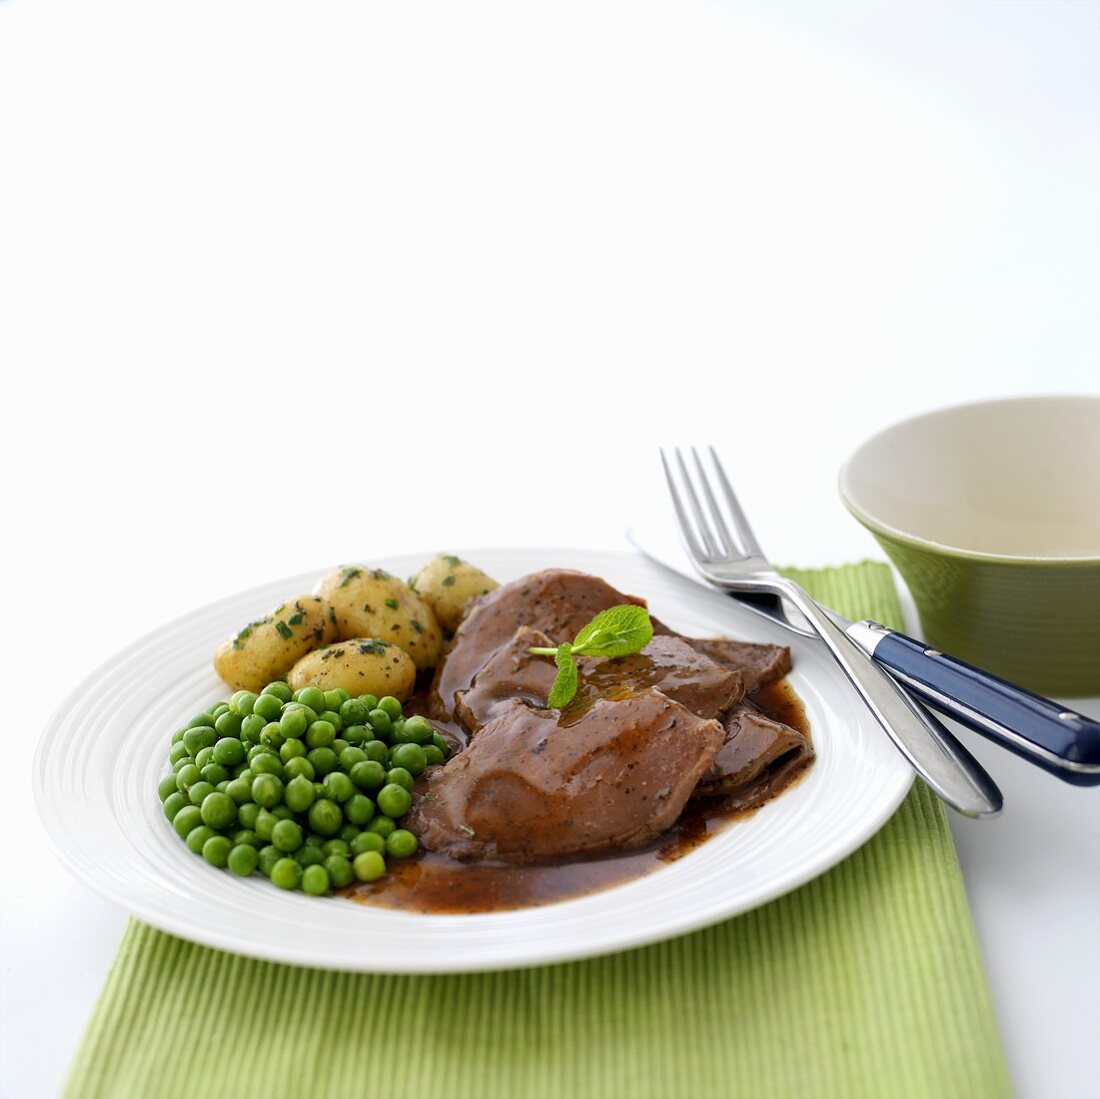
(865, 983)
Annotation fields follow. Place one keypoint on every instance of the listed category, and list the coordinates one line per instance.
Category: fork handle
(1059, 740)
(944, 764)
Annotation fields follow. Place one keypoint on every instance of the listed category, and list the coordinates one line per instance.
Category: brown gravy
(436, 883)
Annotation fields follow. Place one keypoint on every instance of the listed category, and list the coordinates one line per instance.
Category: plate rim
(299, 953)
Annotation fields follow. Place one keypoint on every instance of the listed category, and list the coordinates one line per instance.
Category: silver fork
(739, 564)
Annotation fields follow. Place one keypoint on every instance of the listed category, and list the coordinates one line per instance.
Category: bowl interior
(1013, 478)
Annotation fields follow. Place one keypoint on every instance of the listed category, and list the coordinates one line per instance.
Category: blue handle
(1065, 743)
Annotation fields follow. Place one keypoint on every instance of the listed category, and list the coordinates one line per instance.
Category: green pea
(203, 756)
(380, 722)
(353, 712)
(308, 855)
(240, 791)
(229, 725)
(269, 856)
(359, 809)
(215, 773)
(312, 697)
(319, 790)
(192, 741)
(335, 847)
(401, 844)
(338, 786)
(294, 723)
(313, 840)
(179, 751)
(197, 791)
(247, 836)
(335, 698)
(216, 850)
(273, 735)
(242, 770)
(299, 794)
(340, 872)
(187, 818)
(267, 763)
(200, 721)
(377, 750)
(348, 833)
(315, 881)
(323, 759)
(167, 786)
(332, 717)
(229, 752)
(177, 736)
(418, 730)
(383, 826)
(179, 765)
(280, 690)
(411, 757)
(308, 712)
(251, 728)
(269, 707)
(187, 777)
(243, 859)
(358, 734)
(368, 841)
(325, 817)
(243, 702)
(393, 800)
(222, 786)
(441, 743)
(397, 731)
(369, 866)
(433, 757)
(174, 802)
(198, 836)
(286, 873)
(287, 835)
(340, 745)
(370, 701)
(321, 734)
(349, 757)
(292, 749)
(299, 767)
(265, 824)
(249, 813)
(391, 706)
(369, 775)
(267, 790)
(217, 711)
(218, 810)
(400, 776)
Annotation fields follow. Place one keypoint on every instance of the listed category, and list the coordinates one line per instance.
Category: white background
(283, 285)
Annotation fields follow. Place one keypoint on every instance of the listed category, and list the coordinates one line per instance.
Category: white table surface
(283, 286)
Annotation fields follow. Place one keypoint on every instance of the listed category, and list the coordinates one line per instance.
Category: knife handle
(1059, 740)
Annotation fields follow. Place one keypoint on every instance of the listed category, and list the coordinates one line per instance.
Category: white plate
(97, 766)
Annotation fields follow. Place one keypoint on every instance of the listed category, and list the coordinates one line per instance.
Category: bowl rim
(917, 541)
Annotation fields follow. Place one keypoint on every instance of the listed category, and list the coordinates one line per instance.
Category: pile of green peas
(306, 786)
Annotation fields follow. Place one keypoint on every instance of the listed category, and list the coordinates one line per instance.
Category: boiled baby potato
(447, 584)
(371, 603)
(361, 665)
(265, 650)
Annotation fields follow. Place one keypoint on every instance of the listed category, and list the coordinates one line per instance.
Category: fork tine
(696, 507)
(731, 547)
(686, 528)
(740, 523)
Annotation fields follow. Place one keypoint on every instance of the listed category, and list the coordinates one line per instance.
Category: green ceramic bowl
(991, 513)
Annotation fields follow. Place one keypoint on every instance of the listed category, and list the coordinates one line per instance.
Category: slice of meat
(510, 673)
(533, 785)
(758, 664)
(668, 663)
(556, 601)
(758, 758)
